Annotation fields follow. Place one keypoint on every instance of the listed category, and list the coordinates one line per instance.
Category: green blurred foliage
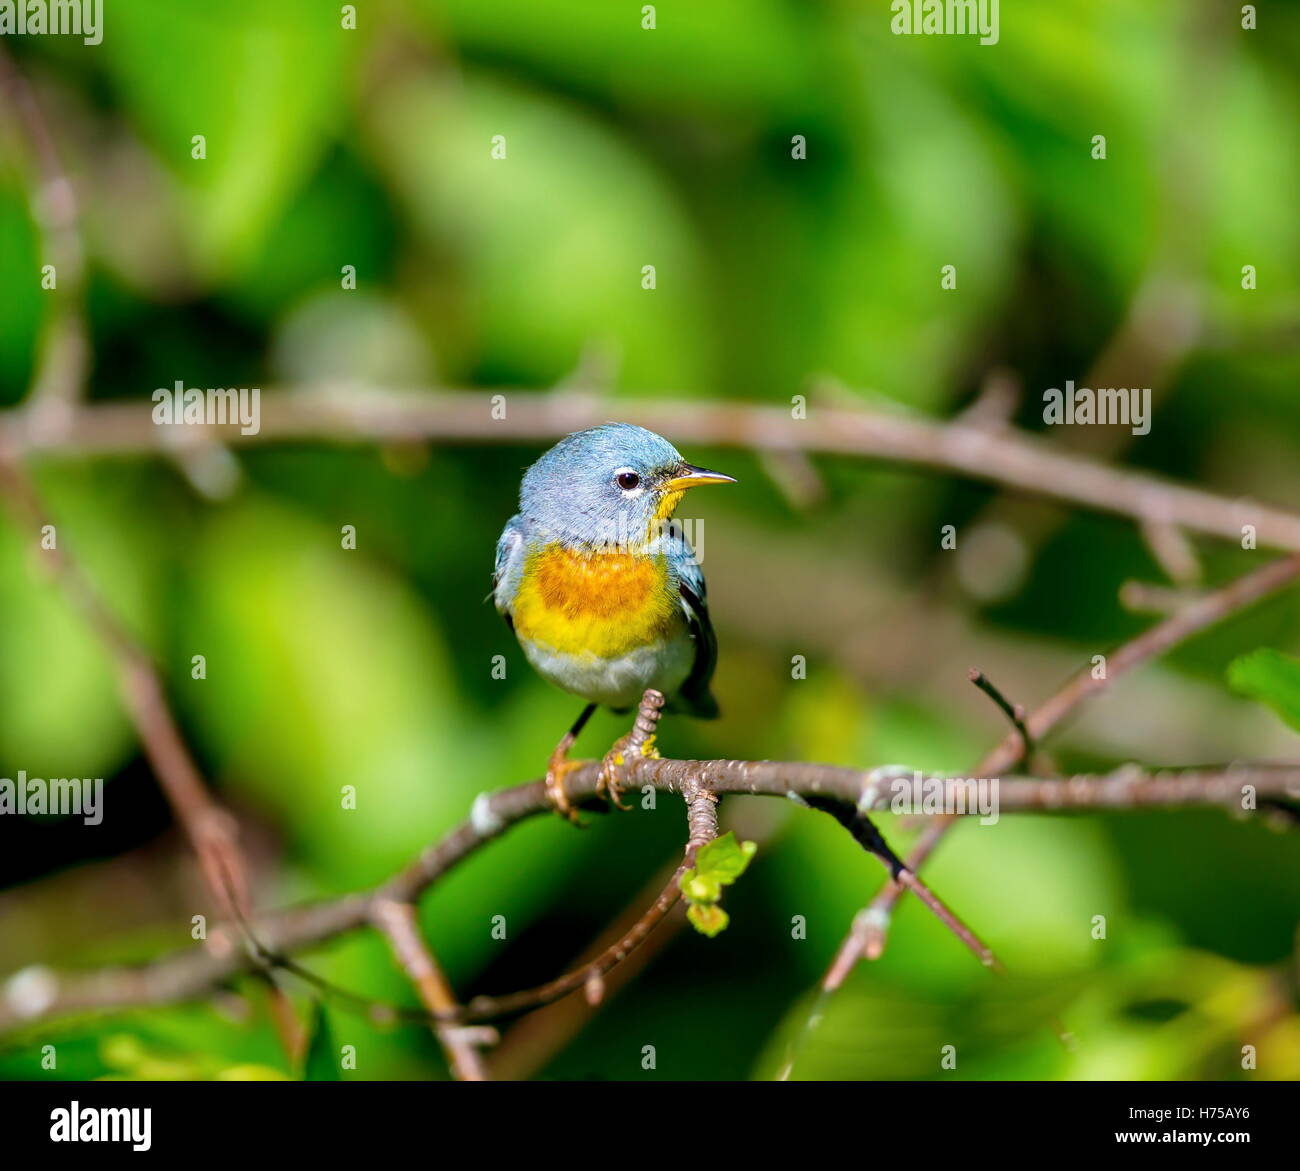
(334, 674)
(1273, 678)
(22, 317)
(260, 82)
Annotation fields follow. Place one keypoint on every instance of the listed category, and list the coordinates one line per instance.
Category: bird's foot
(608, 785)
(557, 769)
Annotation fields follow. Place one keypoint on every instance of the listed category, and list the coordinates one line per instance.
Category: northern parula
(602, 590)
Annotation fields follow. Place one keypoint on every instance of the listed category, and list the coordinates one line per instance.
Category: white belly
(617, 682)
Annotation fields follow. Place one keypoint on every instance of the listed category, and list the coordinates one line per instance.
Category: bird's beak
(691, 477)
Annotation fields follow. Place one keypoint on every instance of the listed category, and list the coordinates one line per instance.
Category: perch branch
(38, 994)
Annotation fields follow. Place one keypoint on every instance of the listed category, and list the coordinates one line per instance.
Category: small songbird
(603, 592)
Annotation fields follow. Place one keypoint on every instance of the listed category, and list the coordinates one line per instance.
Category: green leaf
(708, 919)
(700, 888)
(1270, 677)
(724, 859)
(717, 864)
(322, 1063)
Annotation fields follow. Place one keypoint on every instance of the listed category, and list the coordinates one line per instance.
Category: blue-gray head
(608, 486)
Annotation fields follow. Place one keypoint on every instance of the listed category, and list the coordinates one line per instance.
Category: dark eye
(627, 480)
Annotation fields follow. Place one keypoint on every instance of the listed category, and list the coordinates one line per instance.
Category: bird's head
(610, 486)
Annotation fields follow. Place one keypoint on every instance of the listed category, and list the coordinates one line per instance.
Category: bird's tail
(698, 703)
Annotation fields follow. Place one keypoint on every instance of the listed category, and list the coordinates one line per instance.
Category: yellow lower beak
(693, 477)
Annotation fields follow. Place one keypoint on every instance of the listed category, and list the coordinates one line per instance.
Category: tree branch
(1199, 614)
(361, 414)
(38, 994)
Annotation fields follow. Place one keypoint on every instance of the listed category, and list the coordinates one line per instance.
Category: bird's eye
(627, 480)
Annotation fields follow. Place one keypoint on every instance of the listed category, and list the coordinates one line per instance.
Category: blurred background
(775, 276)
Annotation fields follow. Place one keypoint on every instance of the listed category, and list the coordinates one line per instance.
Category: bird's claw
(608, 783)
(558, 768)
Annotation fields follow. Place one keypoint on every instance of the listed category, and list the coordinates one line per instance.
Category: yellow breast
(605, 604)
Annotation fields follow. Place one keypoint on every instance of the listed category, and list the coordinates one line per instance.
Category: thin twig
(532, 1040)
(212, 831)
(868, 836)
(587, 976)
(398, 924)
(1173, 551)
(702, 825)
(1014, 712)
(288, 1029)
(64, 360)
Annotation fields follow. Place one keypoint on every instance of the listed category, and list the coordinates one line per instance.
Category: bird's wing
(690, 583)
(505, 575)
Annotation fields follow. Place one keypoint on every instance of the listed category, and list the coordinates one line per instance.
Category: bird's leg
(560, 764)
(638, 742)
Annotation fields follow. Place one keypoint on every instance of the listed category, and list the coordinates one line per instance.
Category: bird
(601, 587)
